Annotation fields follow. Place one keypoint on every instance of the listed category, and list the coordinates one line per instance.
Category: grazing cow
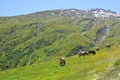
(92, 52)
(107, 45)
(97, 48)
(83, 53)
(62, 61)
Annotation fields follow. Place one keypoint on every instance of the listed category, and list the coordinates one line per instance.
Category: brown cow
(97, 48)
(62, 61)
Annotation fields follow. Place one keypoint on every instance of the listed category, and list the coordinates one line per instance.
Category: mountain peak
(99, 12)
(100, 9)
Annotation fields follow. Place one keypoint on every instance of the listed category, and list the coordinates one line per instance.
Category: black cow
(83, 53)
(92, 52)
(107, 45)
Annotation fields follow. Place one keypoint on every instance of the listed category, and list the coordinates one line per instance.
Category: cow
(83, 53)
(62, 61)
(107, 45)
(97, 48)
(92, 52)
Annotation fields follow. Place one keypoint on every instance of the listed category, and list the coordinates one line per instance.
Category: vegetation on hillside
(102, 66)
(31, 44)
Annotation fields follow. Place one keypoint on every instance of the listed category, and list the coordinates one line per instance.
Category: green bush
(117, 63)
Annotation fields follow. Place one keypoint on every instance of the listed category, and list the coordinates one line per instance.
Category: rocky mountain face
(28, 39)
(103, 13)
(72, 13)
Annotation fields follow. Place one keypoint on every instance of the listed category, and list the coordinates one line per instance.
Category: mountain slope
(29, 39)
(97, 67)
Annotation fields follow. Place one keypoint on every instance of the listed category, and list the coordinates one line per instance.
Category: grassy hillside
(30, 38)
(25, 43)
(32, 44)
(92, 67)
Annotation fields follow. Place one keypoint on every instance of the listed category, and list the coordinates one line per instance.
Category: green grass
(83, 68)
(34, 39)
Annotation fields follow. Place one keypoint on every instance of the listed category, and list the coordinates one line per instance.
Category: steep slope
(29, 39)
(102, 66)
(25, 43)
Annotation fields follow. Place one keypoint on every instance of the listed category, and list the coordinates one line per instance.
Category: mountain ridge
(94, 11)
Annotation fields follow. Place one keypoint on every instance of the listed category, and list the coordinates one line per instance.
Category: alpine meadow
(32, 44)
